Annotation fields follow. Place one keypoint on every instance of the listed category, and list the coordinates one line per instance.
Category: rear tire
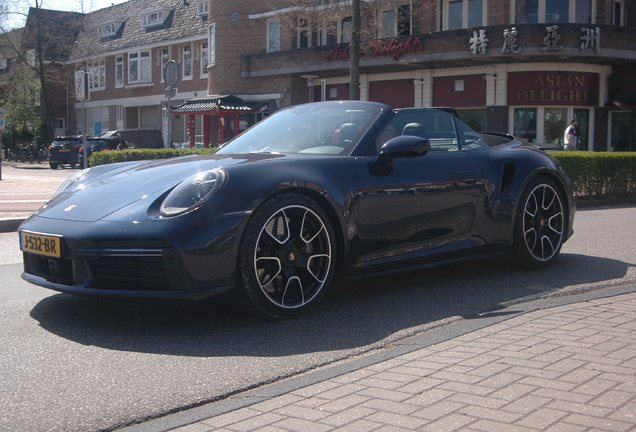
(287, 257)
(53, 165)
(540, 224)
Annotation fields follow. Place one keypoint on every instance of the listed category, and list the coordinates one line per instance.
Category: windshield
(325, 128)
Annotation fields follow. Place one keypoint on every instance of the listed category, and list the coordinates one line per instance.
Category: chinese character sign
(479, 42)
(591, 39)
(510, 42)
(550, 41)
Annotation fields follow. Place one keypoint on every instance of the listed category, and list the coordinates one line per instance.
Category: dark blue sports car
(331, 188)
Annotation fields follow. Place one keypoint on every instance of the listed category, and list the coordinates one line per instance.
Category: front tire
(540, 224)
(287, 257)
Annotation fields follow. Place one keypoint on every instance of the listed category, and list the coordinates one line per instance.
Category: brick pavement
(564, 368)
(24, 188)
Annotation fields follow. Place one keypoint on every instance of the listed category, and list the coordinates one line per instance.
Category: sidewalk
(24, 188)
(558, 364)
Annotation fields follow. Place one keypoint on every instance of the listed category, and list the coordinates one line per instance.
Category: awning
(215, 105)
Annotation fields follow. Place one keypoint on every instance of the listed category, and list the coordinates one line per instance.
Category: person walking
(570, 136)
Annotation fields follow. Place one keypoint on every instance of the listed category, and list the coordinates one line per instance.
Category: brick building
(124, 49)
(525, 67)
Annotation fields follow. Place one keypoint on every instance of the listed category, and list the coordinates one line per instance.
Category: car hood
(108, 188)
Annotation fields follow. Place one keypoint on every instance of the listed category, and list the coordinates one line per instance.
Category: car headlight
(193, 192)
(71, 181)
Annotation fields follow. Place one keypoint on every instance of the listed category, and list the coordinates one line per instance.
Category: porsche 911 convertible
(343, 189)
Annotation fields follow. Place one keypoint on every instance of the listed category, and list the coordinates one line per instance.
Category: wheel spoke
(289, 287)
(293, 256)
(265, 271)
(278, 228)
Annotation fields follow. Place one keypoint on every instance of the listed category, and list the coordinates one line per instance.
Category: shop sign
(553, 88)
(395, 48)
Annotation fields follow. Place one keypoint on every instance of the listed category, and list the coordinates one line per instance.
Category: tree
(46, 43)
(21, 106)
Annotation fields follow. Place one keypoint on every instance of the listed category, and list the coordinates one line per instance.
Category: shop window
(623, 134)
(463, 14)
(583, 129)
(273, 35)
(553, 11)
(554, 123)
(525, 124)
(476, 119)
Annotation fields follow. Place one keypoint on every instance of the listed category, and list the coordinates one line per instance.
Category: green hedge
(595, 175)
(600, 174)
(108, 157)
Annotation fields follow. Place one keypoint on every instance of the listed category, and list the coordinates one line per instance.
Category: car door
(418, 205)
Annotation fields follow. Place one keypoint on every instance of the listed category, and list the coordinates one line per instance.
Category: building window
(619, 12)
(97, 75)
(304, 33)
(345, 30)
(212, 44)
(388, 24)
(463, 14)
(139, 67)
(3, 64)
(109, 28)
(154, 17)
(553, 11)
(202, 8)
(119, 71)
(273, 35)
(187, 63)
(404, 20)
(164, 61)
(205, 56)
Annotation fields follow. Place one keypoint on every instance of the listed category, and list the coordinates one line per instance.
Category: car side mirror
(403, 146)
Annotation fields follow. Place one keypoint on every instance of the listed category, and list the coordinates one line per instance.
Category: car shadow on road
(356, 316)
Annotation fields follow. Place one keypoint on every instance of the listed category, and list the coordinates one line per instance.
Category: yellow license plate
(65, 150)
(41, 244)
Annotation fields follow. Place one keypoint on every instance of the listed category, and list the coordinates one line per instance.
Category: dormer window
(154, 17)
(109, 28)
(202, 7)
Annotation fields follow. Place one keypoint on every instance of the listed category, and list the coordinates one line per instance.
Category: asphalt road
(79, 364)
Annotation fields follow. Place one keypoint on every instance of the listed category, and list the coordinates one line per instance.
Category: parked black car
(104, 144)
(64, 151)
